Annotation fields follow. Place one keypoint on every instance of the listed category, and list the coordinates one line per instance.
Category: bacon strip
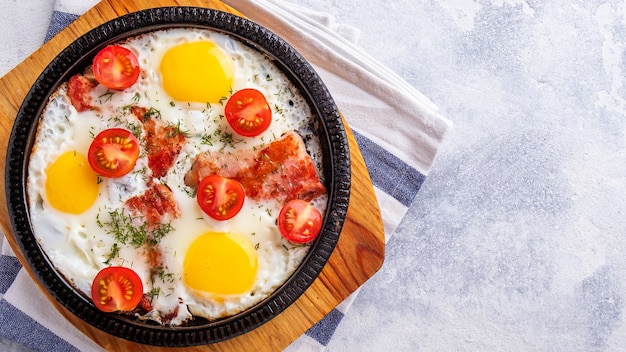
(157, 205)
(282, 170)
(145, 303)
(163, 142)
(79, 88)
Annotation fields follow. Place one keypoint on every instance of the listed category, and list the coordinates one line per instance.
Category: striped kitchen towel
(399, 132)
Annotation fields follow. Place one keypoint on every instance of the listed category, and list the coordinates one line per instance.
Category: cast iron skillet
(327, 124)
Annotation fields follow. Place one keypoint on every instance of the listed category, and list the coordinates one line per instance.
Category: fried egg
(206, 268)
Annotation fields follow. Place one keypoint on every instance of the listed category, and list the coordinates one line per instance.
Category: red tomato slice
(219, 197)
(248, 112)
(116, 288)
(299, 221)
(113, 153)
(116, 67)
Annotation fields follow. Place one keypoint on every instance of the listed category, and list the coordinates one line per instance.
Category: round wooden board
(358, 255)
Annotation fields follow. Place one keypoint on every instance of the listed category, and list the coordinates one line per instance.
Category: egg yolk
(197, 72)
(71, 184)
(221, 264)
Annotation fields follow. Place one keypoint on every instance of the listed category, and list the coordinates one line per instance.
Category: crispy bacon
(282, 170)
(79, 88)
(166, 318)
(154, 257)
(157, 205)
(163, 142)
(145, 303)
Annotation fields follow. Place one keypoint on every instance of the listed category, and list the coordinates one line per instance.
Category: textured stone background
(516, 241)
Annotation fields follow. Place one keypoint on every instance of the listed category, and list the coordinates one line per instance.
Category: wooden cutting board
(358, 255)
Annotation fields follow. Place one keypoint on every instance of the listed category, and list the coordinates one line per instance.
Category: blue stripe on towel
(325, 328)
(9, 267)
(59, 21)
(38, 338)
(388, 173)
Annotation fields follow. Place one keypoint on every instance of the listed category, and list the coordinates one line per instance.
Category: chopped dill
(226, 139)
(123, 229)
(108, 95)
(115, 251)
(136, 97)
(174, 130)
(207, 139)
(190, 191)
(136, 129)
(141, 173)
(154, 292)
(166, 277)
(152, 113)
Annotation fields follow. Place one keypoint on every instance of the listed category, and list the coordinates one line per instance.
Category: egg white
(79, 246)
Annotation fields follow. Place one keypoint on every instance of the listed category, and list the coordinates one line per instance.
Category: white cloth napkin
(399, 132)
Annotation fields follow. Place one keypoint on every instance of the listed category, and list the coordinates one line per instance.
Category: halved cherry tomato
(116, 288)
(116, 67)
(219, 197)
(299, 221)
(248, 112)
(113, 153)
